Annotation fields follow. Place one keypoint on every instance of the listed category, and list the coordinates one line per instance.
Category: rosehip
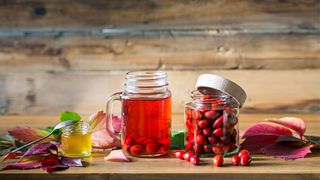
(203, 123)
(179, 154)
(218, 160)
(243, 152)
(206, 131)
(194, 160)
(200, 139)
(245, 160)
(196, 114)
(212, 140)
(152, 148)
(218, 123)
(210, 115)
(217, 150)
(136, 149)
(164, 148)
(147, 140)
(187, 156)
(189, 145)
(235, 160)
(218, 132)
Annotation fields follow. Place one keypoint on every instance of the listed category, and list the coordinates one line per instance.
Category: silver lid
(214, 84)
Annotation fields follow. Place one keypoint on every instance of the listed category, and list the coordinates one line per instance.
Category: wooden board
(56, 15)
(280, 91)
(95, 53)
(168, 167)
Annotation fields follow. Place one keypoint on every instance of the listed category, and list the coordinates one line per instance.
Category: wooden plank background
(71, 55)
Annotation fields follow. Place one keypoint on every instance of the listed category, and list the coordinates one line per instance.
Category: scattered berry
(245, 160)
(235, 160)
(187, 156)
(218, 160)
(194, 160)
(179, 154)
(243, 152)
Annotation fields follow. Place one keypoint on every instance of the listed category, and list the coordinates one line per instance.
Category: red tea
(146, 126)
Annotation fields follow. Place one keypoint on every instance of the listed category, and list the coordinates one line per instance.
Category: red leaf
(38, 149)
(71, 162)
(116, 156)
(51, 163)
(10, 156)
(296, 124)
(255, 144)
(286, 152)
(22, 165)
(26, 134)
(266, 129)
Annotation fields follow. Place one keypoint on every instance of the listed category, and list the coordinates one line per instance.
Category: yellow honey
(76, 140)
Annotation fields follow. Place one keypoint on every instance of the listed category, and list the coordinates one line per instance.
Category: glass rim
(146, 75)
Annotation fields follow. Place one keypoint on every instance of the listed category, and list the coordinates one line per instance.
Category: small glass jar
(145, 114)
(211, 123)
(76, 140)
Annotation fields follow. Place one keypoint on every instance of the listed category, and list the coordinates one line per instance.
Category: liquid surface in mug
(147, 126)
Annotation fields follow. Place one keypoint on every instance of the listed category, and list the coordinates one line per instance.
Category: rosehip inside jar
(211, 123)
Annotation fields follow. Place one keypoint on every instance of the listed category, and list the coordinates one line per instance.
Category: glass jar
(76, 140)
(211, 123)
(145, 112)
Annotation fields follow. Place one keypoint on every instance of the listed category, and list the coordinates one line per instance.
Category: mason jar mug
(145, 113)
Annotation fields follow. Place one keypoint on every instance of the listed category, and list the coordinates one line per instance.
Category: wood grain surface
(58, 56)
(56, 15)
(169, 167)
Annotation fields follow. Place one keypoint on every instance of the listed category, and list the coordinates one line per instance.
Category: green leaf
(177, 140)
(66, 115)
(313, 139)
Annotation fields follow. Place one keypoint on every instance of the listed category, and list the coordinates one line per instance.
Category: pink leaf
(266, 129)
(116, 156)
(286, 152)
(255, 144)
(103, 140)
(71, 162)
(101, 137)
(293, 123)
(26, 134)
(22, 165)
(38, 149)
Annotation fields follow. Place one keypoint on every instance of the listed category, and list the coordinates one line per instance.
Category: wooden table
(263, 167)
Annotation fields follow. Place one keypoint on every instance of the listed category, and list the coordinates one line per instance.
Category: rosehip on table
(243, 152)
(179, 154)
(187, 156)
(235, 160)
(194, 160)
(218, 160)
(245, 160)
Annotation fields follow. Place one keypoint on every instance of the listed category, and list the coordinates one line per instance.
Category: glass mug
(145, 114)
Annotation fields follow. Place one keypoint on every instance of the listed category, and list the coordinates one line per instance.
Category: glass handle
(109, 113)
